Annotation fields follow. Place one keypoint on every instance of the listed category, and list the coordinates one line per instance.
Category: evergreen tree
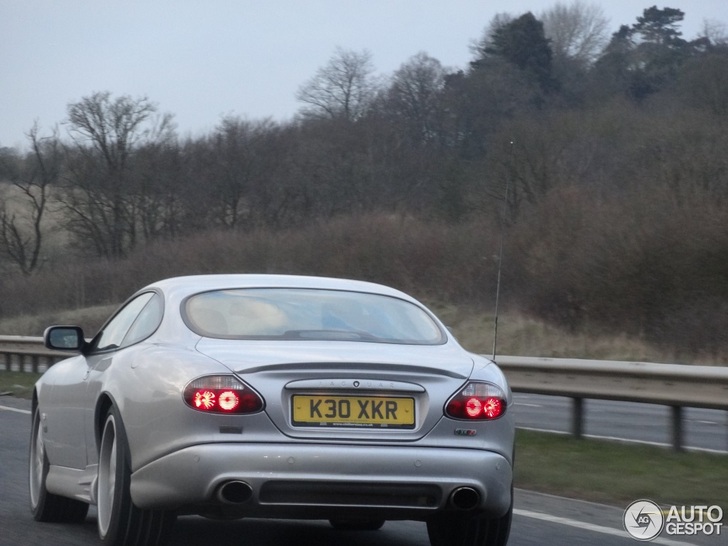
(521, 42)
(646, 57)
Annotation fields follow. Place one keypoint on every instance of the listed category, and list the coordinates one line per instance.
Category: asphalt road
(647, 423)
(539, 519)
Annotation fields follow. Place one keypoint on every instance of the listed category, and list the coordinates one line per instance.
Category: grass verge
(618, 473)
(596, 470)
(18, 384)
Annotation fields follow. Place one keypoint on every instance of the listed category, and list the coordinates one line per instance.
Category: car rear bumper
(325, 481)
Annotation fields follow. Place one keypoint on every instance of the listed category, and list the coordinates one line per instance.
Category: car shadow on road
(258, 532)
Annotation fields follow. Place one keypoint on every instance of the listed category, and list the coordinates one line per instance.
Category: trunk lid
(344, 390)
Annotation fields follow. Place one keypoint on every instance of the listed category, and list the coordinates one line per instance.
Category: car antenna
(500, 260)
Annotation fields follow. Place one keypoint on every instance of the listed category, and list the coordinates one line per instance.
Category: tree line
(604, 155)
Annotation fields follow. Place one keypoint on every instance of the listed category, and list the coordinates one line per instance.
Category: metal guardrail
(675, 385)
(27, 354)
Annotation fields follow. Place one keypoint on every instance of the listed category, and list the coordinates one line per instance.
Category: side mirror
(64, 338)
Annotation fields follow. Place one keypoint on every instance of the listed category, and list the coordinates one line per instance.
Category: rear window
(309, 314)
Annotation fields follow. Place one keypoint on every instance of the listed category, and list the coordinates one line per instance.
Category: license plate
(353, 411)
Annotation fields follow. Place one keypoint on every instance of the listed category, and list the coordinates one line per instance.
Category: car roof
(180, 287)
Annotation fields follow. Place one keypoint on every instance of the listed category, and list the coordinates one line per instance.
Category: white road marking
(529, 405)
(591, 527)
(17, 410)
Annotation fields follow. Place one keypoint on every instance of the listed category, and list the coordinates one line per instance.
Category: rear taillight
(222, 394)
(477, 401)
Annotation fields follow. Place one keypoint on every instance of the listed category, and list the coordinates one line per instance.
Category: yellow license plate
(353, 411)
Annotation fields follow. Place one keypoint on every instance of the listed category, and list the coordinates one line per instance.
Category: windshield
(310, 314)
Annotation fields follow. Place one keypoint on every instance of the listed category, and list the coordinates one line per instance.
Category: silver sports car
(272, 396)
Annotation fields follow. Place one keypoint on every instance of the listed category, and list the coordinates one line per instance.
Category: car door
(134, 322)
(63, 413)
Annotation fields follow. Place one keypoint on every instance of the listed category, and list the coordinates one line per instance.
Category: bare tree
(715, 31)
(344, 88)
(238, 150)
(578, 31)
(101, 200)
(157, 184)
(703, 84)
(21, 233)
(415, 95)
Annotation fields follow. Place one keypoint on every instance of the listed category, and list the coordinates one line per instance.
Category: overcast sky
(204, 59)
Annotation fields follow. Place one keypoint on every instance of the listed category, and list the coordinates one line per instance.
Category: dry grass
(438, 262)
(520, 335)
(16, 205)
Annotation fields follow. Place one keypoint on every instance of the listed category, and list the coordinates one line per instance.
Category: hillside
(604, 176)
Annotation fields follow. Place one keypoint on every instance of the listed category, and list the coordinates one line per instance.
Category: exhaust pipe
(464, 498)
(234, 492)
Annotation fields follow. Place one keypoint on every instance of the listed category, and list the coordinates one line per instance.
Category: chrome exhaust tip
(234, 492)
(464, 498)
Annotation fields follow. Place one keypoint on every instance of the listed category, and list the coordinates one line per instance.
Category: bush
(642, 264)
(430, 260)
(639, 265)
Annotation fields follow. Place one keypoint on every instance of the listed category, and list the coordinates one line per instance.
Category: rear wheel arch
(119, 520)
(103, 405)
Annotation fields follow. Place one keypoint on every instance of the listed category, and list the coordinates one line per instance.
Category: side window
(146, 323)
(113, 334)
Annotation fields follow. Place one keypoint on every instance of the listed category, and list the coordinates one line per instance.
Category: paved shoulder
(603, 520)
(18, 405)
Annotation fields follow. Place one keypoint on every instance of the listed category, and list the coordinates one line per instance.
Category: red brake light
(477, 401)
(228, 400)
(222, 394)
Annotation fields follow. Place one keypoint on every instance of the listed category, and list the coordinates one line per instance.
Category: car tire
(468, 530)
(119, 521)
(47, 506)
(357, 524)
